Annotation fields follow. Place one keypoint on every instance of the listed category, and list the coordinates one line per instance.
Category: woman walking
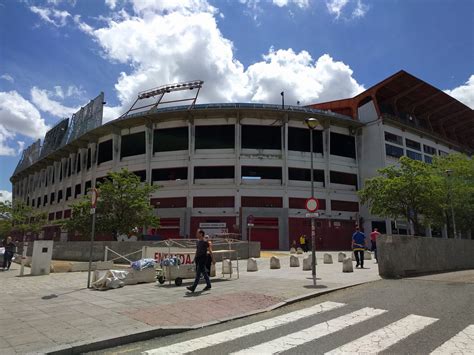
(10, 249)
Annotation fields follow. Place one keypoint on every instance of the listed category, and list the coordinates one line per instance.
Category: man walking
(373, 239)
(303, 244)
(200, 259)
(358, 246)
(10, 249)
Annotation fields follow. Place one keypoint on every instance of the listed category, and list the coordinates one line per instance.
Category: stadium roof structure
(405, 98)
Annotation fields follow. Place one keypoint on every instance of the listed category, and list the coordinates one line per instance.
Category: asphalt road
(408, 316)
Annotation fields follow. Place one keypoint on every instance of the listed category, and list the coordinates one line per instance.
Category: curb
(100, 344)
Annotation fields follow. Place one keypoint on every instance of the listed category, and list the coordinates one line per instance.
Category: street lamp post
(312, 123)
(448, 174)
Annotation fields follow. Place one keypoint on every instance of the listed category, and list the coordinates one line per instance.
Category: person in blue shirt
(358, 246)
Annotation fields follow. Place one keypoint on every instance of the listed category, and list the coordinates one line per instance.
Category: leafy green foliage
(20, 218)
(123, 206)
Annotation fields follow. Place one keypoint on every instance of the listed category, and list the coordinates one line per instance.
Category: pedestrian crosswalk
(371, 343)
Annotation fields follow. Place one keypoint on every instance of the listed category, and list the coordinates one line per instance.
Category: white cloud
(5, 195)
(464, 93)
(111, 4)
(184, 43)
(53, 16)
(300, 3)
(84, 27)
(7, 77)
(338, 8)
(42, 100)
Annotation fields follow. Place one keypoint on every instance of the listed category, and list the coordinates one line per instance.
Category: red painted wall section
(266, 232)
(250, 201)
(169, 228)
(213, 201)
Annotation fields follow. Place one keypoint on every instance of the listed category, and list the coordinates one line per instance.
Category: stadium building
(218, 164)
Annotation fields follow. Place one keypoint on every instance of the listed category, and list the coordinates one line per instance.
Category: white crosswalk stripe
(232, 334)
(312, 333)
(385, 337)
(461, 343)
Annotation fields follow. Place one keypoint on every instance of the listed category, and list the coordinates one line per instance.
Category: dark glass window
(33, 203)
(170, 174)
(60, 195)
(78, 162)
(170, 139)
(390, 137)
(141, 174)
(261, 172)
(338, 177)
(298, 140)
(442, 153)
(38, 202)
(45, 200)
(77, 190)
(214, 172)
(261, 137)
(52, 179)
(305, 174)
(412, 144)
(429, 150)
(52, 197)
(342, 145)
(428, 159)
(215, 137)
(105, 151)
(393, 151)
(69, 167)
(414, 155)
(68, 193)
(89, 158)
(133, 144)
(87, 187)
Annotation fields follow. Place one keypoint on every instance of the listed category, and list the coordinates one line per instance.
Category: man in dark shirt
(200, 259)
(10, 249)
(358, 246)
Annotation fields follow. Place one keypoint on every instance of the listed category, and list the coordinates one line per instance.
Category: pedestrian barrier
(252, 265)
(294, 261)
(307, 263)
(347, 265)
(341, 257)
(327, 258)
(274, 262)
(292, 251)
(367, 255)
(299, 251)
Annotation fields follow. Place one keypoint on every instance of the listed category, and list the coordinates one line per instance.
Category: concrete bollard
(252, 265)
(347, 265)
(292, 251)
(367, 255)
(341, 257)
(227, 266)
(299, 251)
(327, 258)
(353, 257)
(274, 262)
(307, 263)
(294, 261)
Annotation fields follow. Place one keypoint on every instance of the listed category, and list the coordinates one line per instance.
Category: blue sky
(55, 55)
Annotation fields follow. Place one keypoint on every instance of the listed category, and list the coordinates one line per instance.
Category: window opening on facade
(298, 140)
(133, 144)
(261, 172)
(215, 137)
(105, 152)
(428, 159)
(261, 137)
(60, 195)
(345, 206)
(170, 174)
(393, 138)
(52, 197)
(68, 193)
(338, 177)
(87, 187)
(442, 153)
(414, 155)
(33, 202)
(77, 190)
(342, 145)
(78, 162)
(429, 150)
(45, 200)
(393, 151)
(69, 167)
(214, 172)
(170, 139)
(141, 174)
(89, 158)
(305, 175)
(412, 144)
(38, 202)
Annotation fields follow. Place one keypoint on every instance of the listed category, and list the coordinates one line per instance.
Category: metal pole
(313, 236)
(454, 222)
(248, 243)
(91, 249)
(23, 255)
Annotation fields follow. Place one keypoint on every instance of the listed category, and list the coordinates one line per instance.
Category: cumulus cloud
(464, 93)
(5, 196)
(183, 42)
(7, 77)
(339, 8)
(300, 3)
(18, 116)
(41, 98)
(53, 16)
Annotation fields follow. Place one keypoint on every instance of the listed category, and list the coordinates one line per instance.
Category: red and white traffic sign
(250, 221)
(312, 204)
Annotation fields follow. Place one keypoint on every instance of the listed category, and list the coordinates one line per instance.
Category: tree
(123, 206)
(20, 218)
(406, 191)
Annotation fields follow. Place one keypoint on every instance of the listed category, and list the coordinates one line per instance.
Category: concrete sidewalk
(56, 313)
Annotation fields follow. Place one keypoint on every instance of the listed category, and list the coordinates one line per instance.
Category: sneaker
(206, 288)
(190, 288)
